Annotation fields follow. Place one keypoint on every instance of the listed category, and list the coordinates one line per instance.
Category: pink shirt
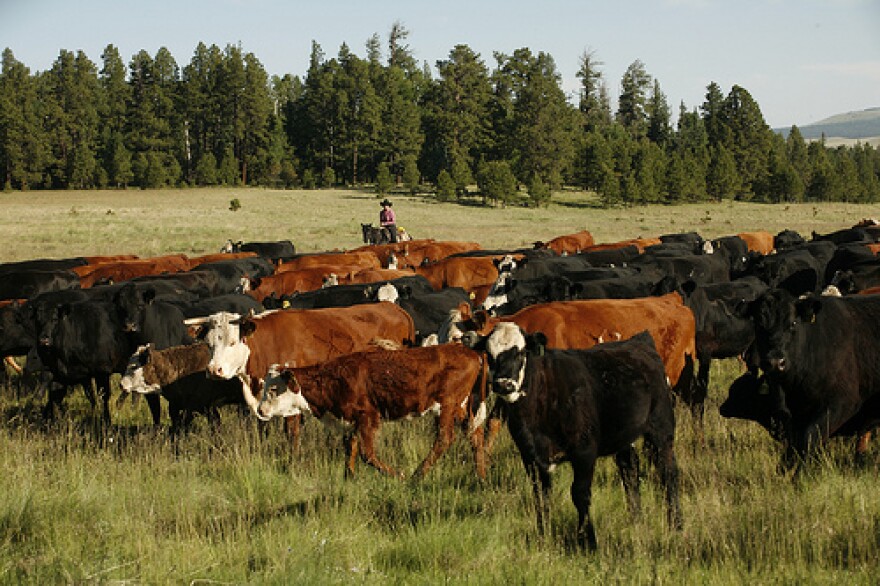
(386, 217)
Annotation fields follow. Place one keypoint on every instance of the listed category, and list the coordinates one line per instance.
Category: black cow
(578, 405)
(752, 398)
(275, 251)
(845, 236)
(798, 270)
(821, 352)
(30, 283)
(700, 268)
(429, 310)
(231, 272)
(723, 328)
(787, 239)
(42, 264)
(86, 344)
(610, 257)
(692, 240)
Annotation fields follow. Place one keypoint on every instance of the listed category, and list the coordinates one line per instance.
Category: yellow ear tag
(472, 296)
(285, 304)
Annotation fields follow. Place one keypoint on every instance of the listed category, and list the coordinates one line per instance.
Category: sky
(801, 60)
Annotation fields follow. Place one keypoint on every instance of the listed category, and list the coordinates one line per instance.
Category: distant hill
(851, 125)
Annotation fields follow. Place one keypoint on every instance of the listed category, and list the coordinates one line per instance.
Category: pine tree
(496, 182)
(711, 111)
(542, 125)
(116, 93)
(23, 142)
(456, 114)
(593, 100)
(722, 177)
(659, 117)
(445, 186)
(632, 104)
(749, 136)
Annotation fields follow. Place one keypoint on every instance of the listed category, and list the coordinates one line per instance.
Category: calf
(578, 405)
(178, 373)
(366, 388)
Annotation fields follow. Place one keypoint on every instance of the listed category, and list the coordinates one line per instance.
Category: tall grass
(233, 503)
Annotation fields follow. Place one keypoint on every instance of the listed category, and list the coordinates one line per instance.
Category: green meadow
(235, 504)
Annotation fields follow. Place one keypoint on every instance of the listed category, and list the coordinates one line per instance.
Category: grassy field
(234, 505)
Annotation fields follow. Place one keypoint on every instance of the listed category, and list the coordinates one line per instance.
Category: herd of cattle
(583, 346)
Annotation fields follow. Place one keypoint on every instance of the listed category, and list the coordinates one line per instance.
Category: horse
(375, 235)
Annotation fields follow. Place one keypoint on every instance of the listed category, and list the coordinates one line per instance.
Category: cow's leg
(154, 404)
(366, 428)
(293, 427)
(494, 423)
(102, 391)
(55, 400)
(444, 434)
(862, 446)
(660, 439)
(628, 466)
(476, 437)
(351, 453)
(583, 464)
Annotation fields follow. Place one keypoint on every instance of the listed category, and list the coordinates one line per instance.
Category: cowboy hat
(385, 202)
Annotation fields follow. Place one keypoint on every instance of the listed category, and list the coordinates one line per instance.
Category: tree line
(384, 119)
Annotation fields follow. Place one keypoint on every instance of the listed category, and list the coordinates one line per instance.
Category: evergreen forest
(506, 127)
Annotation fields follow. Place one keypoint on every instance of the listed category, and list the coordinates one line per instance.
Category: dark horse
(375, 234)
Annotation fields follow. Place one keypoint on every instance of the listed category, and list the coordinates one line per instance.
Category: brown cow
(247, 347)
(352, 260)
(569, 243)
(760, 241)
(195, 261)
(475, 274)
(640, 243)
(124, 270)
(295, 281)
(365, 388)
(585, 323)
(375, 275)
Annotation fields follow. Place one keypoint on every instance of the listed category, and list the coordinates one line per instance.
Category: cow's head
(278, 399)
(224, 333)
(132, 303)
(134, 379)
(752, 398)
(780, 324)
(387, 292)
(507, 348)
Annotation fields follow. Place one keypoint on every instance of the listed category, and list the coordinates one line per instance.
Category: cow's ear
(473, 340)
(575, 289)
(405, 291)
(63, 310)
(480, 317)
(807, 308)
(247, 327)
(149, 295)
(255, 282)
(688, 287)
(536, 342)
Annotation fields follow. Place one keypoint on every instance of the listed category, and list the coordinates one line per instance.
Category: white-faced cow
(364, 388)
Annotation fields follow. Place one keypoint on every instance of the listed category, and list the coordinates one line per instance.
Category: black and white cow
(578, 405)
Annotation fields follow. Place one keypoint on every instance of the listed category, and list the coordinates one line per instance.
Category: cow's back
(585, 323)
(311, 336)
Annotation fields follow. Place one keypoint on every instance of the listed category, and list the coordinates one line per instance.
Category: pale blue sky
(802, 60)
